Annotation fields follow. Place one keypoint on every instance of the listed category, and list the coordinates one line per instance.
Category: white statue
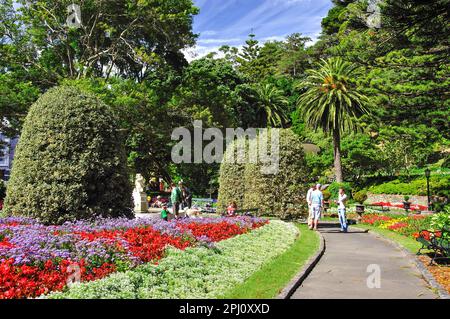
(139, 196)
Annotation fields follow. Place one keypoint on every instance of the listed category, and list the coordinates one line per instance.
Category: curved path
(342, 272)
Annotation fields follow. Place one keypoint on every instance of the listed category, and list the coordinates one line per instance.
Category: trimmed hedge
(439, 185)
(281, 194)
(231, 179)
(70, 161)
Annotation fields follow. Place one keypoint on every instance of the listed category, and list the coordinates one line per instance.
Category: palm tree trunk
(337, 155)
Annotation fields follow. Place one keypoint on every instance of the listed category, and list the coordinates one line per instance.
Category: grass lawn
(268, 282)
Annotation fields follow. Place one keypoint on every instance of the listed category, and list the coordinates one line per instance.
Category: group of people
(180, 197)
(315, 201)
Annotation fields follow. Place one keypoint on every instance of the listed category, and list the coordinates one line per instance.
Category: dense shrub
(70, 162)
(281, 194)
(360, 197)
(231, 179)
(334, 189)
(439, 185)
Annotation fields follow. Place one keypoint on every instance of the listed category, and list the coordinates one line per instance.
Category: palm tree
(273, 103)
(332, 102)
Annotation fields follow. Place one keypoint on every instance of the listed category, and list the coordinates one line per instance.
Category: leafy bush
(439, 185)
(281, 194)
(441, 220)
(334, 189)
(231, 179)
(326, 194)
(70, 162)
(194, 272)
(360, 197)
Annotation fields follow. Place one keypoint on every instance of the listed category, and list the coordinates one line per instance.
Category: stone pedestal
(139, 196)
(140, 202)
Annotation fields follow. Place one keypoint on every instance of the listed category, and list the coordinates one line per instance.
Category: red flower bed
(32, 281)
(95, 253)
(400, 205)
(148, 244)
(215, 232)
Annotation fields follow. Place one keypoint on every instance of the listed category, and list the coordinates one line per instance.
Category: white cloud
(213, 41)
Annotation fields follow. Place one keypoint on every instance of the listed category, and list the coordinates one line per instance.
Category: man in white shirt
(342, 199)
(317, 204)
(308, 200)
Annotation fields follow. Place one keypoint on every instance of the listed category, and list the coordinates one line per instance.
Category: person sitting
(231, 209)
(158, 203)
(165, 213)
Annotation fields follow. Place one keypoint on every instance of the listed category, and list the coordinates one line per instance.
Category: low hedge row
(195, 272)
(439, 185)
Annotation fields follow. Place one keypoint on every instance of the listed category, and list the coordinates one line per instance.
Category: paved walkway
(342, 270)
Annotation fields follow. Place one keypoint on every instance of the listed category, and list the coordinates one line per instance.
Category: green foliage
(273, 104)
(232, 185)
(281, 194)
(326, 194)
(70, 163)
(441, 220)
(360, 197)
(439, 185)
(132, 38)
(334, 189)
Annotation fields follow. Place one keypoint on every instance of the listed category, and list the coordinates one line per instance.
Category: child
(231, 209)
(165, 213)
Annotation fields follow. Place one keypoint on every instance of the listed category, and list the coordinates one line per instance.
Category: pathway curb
(289, 290)
(422, 268)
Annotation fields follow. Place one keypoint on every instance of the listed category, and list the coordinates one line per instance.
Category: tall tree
(273, 105)
(332, 102)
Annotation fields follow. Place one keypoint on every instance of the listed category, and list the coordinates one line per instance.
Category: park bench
(245, 212)
(438, 242)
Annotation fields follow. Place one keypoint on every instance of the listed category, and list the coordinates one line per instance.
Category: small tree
(70, 162)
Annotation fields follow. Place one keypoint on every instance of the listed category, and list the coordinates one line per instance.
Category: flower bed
(413, 207)
(36, 259)
(194, 272)
(406, 225)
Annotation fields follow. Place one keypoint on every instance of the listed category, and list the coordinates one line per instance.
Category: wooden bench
(438, 242)
(245, 212)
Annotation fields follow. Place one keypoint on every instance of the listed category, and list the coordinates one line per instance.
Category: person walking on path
(317, 204)
(175, 198)
(308, 200)
(342, 199)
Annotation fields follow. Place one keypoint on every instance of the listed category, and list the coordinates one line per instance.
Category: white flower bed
(195, 272)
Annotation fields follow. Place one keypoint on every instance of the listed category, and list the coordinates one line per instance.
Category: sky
(230, 22)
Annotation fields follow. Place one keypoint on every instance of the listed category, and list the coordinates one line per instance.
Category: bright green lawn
(268, 282)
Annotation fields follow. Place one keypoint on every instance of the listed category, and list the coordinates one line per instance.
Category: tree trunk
(337, 155)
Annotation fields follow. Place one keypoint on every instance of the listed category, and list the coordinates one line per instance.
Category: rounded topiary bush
(70, 161)
(282, 194)
(231, 179)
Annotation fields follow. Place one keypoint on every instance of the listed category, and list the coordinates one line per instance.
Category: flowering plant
(35, 259)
